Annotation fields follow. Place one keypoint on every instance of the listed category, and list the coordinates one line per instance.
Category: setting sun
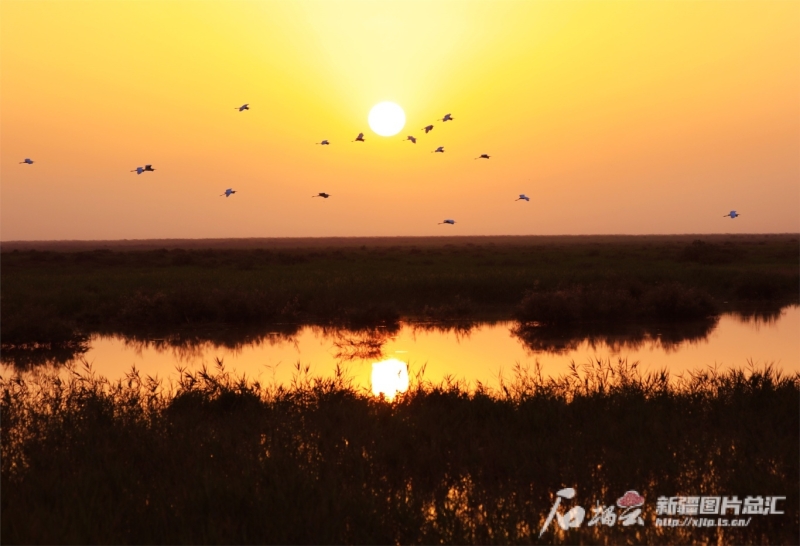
(386, 118)
(389, 377)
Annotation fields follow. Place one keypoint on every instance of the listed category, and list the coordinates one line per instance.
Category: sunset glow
(613, 116)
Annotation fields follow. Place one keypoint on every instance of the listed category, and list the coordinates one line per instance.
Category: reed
(216, 458)
(61, 297)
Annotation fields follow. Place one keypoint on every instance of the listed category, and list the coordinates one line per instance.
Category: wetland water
(470, 352)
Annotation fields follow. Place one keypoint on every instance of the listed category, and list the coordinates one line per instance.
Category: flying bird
(322, 194)
(149, 168)
(28, 161)
(440, 150)
(324, 143)
(243, 107)
(359, 138)
(228, 192)
(412, 139)
(483, 156)
(448, 221)
(448, 117)
(523, 196)
(733, 214)
(428, 129)
(138, 170)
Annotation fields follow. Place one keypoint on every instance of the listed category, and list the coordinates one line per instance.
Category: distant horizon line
(10, 241)
(220, 243)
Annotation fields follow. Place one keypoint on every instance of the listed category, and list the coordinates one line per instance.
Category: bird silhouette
(428, 129)
(483, 156)
(138, 170)
(523, 196)
(324, 143)
(447, 117)
(243, 107)
(733, 214)
(149, 168)
(412, 139)
(322, 194)
(439, 150)
(28, 161)
(448, 221)
(359, 138)
(228, 193)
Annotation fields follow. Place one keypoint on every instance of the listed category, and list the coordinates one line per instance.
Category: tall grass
(587, 304)
(57, 297)
(216, 458)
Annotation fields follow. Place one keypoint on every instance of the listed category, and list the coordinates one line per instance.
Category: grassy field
(214, 459)
(54, 293)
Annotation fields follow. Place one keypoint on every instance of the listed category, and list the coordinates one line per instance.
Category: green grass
(216, 459)
(57, 297)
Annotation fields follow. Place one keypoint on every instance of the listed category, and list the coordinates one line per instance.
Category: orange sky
(613, 116)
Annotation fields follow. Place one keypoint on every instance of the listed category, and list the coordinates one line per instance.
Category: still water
(469, 352)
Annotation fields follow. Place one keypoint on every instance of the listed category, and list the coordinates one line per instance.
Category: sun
(389, 378)
(386, 118)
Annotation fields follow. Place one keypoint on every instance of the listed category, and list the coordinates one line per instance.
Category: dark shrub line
(670, 302)
(52, 297)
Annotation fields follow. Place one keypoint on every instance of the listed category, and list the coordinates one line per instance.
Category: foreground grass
(216, 459)
(54, 299)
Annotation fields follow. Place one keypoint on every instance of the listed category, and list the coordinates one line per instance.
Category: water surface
(470, 352)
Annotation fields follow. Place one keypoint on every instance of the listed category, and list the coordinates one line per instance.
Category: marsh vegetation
(215, 458)
(219, 459)
(53, 299)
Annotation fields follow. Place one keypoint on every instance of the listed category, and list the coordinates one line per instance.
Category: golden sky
(613, 116)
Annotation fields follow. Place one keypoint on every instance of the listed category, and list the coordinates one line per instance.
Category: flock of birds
(413, 140)
(360, 138)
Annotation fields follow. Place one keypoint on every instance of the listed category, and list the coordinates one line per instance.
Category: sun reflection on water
(389, 378)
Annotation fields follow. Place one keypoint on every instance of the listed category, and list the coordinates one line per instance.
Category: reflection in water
(25, 358)
(183, 343)
(470, 352)
(183, 347)
(362, 344)
(760, 316)
(389, 378)
(187, 346)
(667, 337)
(461, 329)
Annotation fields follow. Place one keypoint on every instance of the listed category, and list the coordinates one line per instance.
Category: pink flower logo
(629, 499)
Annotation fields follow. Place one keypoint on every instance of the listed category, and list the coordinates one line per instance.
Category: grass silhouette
(55, 299)
(215, 458)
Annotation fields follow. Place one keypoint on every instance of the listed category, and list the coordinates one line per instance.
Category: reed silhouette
(59, 298)
(215, 458)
